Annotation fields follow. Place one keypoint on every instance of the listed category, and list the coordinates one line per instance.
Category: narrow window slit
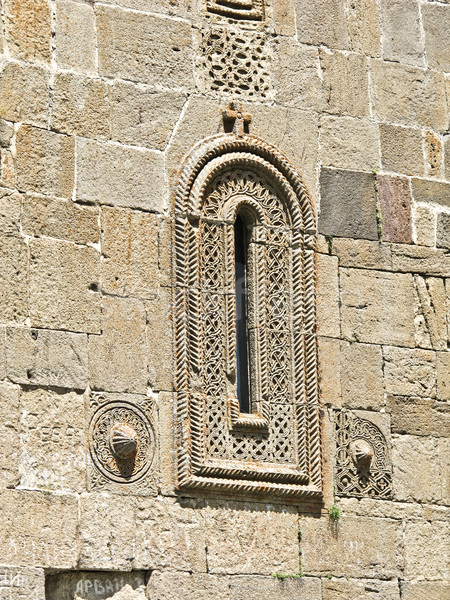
(241, 282)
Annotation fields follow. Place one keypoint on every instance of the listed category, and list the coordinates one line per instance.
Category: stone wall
(99, 103)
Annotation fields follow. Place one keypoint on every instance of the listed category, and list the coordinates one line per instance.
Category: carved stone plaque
(121, 440)
(362, 458)
(248, 10)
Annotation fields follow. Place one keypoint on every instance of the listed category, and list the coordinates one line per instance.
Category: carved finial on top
(235, 120)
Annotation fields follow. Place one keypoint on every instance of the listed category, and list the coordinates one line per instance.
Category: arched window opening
(243, 379)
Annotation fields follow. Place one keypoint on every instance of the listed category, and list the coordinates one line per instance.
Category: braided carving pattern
(277, 446)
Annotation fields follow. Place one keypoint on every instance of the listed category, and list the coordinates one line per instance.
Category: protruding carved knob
(362, 453)
(123, 441)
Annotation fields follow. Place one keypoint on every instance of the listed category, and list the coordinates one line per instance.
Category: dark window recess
(240, 266)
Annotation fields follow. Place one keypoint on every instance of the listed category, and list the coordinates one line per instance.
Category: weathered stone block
(447, 157)
(2, 353)
(401, 149)
(443, 375)
(410, 372)
(24, 93)
(415, 464)
(348, 204)
(249, 587)
(327, 296)
(53, 441)
(75, 36)
(433, 154)
(284, 17)
(361, 376)
(22, 582)
(436, 23)
(407, 258)
(64, 281)
(170, 535)
(118, 358)
(6, 133)
(7, 169)
(425, 225)
(363, 27)
(377, 307)
(121, 176)
(10, 446)
(349, 143)
(402, 39)
(107, 531)
(430, 313)
(443, 230)
(360, 547)
(39, 529)
(9, 212)
(295, 133)
(130, 252)
(345, 82)
(425, 590)
(419, 416)
(362, 254)
(431, 192)
(395, 202)
(408, 95)
(13, 279)
(444, 468)
(269, 546)
(322, 22)
(426, 549)
(29, 29)
(45, 357)
(80, 105)
(144, 117)
(60, 219)
(96, 585)
(329, 351)
(187, 586)
(45, 162)
(145, 48)
(295, 75)
(366, 589)
(167, 448)
(159, 340)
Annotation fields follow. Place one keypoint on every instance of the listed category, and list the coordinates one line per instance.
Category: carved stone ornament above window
(273, 446)
(248, 10)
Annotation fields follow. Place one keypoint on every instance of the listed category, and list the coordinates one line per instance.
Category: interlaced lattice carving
(235, 62)
(248, 10)
(276, 447)
(362, 458)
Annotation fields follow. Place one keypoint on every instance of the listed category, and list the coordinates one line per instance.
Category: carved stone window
(238, 185)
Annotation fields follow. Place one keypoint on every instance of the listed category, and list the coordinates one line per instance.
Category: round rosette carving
(122, 441)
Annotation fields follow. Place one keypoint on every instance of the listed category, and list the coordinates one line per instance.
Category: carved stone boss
(276, 447)
(121, 441)
(362, 458)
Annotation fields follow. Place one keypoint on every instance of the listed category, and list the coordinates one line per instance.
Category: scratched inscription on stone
(92, 585)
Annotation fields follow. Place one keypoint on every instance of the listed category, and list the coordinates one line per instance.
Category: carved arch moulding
(273, 446)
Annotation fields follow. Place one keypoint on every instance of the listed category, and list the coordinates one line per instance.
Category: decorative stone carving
(122, 441)
(248, 10)
(362, 458)
(234, 62)
(275, 448)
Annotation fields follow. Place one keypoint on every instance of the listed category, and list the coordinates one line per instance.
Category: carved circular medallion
(121, 441)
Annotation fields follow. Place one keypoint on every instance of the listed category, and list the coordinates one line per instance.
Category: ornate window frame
(276, 449)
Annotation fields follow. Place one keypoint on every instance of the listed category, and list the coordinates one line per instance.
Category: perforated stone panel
(234, 62)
